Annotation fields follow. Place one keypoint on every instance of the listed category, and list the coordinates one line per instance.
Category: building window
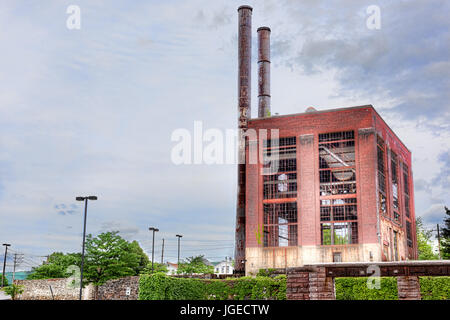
(280, 224)
(337, 163)
(406, 189)
(337, 257)
(338, 221)
(394, 178)
(339, 233)
(381, 175)
(280, 168)
(409, 234)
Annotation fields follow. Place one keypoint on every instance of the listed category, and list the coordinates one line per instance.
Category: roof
(309, 111)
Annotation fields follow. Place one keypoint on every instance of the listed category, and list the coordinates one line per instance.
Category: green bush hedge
(356, 289)
(431, 288)
(435, 288)
(162, 287)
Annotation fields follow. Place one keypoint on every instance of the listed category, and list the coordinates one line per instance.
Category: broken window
(280, 164)
(280, 224)
(409, 234)
(337, 163)
(343, 232)
(406, 189)
(339, 233)
(394, 178)
(381, 175)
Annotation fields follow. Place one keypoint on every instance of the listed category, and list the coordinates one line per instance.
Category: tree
(143, 258)
(196, 264)
(424, 247)
(13, 290)
(5, 280)
(445, 234)
(56, 266)
(109, 256)
(157, 267)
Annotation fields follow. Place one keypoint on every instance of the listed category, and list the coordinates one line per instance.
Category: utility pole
(162, 253)
(439, 241)
(179, 237)
(17, 261)
(153, 244)
(4, 263)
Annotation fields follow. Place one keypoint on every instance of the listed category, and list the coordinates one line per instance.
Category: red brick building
(342, 190)
(333, 185)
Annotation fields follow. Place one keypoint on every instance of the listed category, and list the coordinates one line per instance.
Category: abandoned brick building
(342, 188)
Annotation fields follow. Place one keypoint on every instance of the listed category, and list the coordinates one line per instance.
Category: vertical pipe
(82, 250)
(153, 249)
(263, 72)
(244, 109)
(162, 253)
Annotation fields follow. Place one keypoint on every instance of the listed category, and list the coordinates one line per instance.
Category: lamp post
(153, 243)
(85, 199)
(179, 236)
(4, 263)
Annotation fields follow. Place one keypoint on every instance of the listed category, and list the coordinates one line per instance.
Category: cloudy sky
(91, 110)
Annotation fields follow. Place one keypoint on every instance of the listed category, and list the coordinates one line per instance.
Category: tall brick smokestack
(244, 109)
(263, 72)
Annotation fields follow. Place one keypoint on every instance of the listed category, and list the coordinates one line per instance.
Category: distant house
(224, 267)
(172, 268)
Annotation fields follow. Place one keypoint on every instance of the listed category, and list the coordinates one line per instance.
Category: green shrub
(431, 288)
(162, 287)
(357, 289)
(435, 288)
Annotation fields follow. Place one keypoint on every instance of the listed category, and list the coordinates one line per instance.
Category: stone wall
(43, 289)
(119, 289)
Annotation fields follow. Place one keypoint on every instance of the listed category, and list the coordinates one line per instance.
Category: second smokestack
(263, 72)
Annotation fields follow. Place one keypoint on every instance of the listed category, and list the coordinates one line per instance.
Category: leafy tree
(157, 267)
(445, 241)
(13, 290)
(109, 256)
(424, 246)
(142, 256)
(196, 264)
(5, 280)
(56, 266)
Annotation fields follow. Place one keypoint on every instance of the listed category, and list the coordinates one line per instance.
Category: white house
(171, 268)
(224, 267)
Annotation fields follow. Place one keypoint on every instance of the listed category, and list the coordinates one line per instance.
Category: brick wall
(310, 285)
(408, 288)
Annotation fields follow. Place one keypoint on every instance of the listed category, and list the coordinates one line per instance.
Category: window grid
(337, 163)
(280, 224)
(280, 168)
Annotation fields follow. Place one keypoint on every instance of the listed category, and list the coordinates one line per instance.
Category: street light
(153, 243)
(179, 236)
(85, 199)
(4, 263)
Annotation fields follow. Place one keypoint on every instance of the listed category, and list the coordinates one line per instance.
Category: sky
(91, 111)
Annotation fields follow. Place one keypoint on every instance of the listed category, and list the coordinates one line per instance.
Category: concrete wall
(287, 257)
